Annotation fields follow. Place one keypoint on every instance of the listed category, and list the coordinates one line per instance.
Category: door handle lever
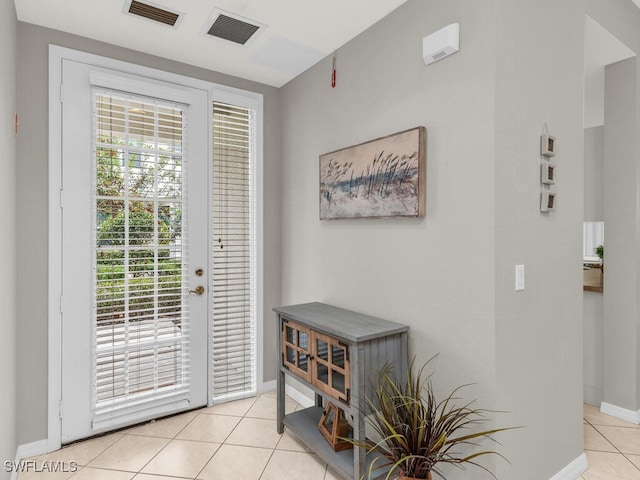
(198, 291)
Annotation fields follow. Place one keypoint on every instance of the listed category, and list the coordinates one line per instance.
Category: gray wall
(450, 276)
(593, 174)
(593, 353)
(8, 220)
(435, 274)
(621, 322)
(32, 173)
(621, 187)
(539, 330)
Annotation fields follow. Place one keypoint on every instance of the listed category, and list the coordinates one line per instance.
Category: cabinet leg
(319, 401)
(281, 400)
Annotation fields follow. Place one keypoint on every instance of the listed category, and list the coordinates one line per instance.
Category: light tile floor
(238, 440)
(612, 447)
(235, 440)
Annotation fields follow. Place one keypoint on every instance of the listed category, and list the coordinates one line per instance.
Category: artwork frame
(548, 200)
(547, 145)
(548, 173)
(381, 178)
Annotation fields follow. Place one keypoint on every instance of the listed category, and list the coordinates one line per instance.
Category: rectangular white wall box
(441, 44)
(519, 277)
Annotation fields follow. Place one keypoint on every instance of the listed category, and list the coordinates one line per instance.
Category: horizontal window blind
(234, 252)
(593, 236)
(141, 326)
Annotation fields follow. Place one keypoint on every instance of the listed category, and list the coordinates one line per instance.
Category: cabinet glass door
(331, 367)
(295, 349)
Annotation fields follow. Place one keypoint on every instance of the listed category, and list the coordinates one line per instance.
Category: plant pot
(404, 477)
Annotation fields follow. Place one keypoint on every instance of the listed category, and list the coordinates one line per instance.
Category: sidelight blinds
(141, 334)
(234, 252)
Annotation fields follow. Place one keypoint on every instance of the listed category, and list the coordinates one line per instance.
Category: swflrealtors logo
(40, 467)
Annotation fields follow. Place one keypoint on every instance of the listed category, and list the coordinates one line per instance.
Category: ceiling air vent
(153, 13)
(233, 28)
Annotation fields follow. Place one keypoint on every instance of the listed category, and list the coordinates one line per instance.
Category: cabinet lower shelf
(304, 425)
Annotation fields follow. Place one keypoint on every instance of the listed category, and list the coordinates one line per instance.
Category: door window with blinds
(141, 325)
(154, 211)
(233, 282)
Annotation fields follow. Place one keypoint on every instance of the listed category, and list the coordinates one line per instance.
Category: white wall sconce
(441, 44)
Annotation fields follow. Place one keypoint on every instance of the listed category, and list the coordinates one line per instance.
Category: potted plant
(599, 250)
(600, 253)
(419, 433)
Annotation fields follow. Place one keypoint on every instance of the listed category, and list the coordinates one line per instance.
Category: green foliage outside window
(112, 292)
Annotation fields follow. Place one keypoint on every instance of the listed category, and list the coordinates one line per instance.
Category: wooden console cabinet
(337, 353)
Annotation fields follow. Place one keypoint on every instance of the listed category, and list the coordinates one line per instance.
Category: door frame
(215, 92)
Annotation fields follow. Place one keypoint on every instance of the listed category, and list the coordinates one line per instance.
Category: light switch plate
(519, 277)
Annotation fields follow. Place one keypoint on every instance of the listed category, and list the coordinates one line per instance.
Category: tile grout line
(102, 451)
(625, 456)
(326, 471)
(264, 469)
(171, 439)
(164, 447)
(273, 451)
(123, 433)
(224, 442)
(608, 441)
(135, 475)
(154, 456)
(82, 442)
(619, 452)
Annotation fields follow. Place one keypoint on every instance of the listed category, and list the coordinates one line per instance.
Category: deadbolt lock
(199, 272)
(198, 291)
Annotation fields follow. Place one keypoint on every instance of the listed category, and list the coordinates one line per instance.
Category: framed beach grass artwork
(376, 179)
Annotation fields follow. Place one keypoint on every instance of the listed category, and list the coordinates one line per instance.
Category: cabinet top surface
(339, 322)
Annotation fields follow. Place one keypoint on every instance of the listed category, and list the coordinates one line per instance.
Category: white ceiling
(299, 33)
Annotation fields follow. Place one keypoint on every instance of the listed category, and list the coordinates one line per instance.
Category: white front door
(134, 233)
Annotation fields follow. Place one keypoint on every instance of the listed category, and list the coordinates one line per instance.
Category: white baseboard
(32, 449)
(573, 470)
(268, 386)
(621, 413)
(302, 398)
(27, 450)
(299, 397)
